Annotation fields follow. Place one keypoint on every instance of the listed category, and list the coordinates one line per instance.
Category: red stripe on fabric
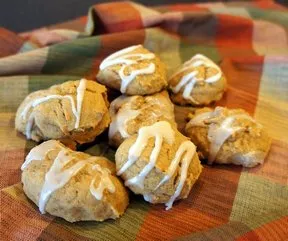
(119, 16)
(244, 77)
(275, 165)
(11, 161)
(109, 46)
(208, 205)
(20, 222)
(83, 19)
(10, 43)
(275, 230)
(234, 36)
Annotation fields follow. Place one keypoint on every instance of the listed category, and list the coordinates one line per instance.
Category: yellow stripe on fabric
(259, 201)
(149, 16)
(12, 92)
(269, 38)
(10, 139)
(166, 46)
(30, 62)
(272, 105)
(233, 11)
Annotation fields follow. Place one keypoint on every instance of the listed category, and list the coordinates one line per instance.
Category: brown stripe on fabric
(109, 45)
(244, 77)
(276, 230)
(12, 151)
(118, 16)
(275, 165)
(198, 27)
(10, 43)
(234, 36)
(18, 221)
(208, 205)
(227, 232)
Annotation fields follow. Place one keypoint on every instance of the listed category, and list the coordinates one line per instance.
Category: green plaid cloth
(249, 40)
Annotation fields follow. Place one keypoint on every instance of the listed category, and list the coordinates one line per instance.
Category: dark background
(23, 15)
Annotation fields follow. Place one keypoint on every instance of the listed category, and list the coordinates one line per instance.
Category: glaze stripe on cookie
(105, 183)
(76, 110)
(188, 149)
(39, 152)
(160, 131)
(57, 176)
(122, 57)
(218, 134)
(189, 80)
(122, 117)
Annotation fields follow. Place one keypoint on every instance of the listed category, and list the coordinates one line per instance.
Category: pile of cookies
(153, 158)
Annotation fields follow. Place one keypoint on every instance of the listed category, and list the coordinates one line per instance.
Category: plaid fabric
(250, 42)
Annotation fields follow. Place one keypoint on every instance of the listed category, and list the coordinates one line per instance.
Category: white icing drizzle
(105, 183)
(189, 149)
(217, 135)
(80, 96)
(122, 117)
(56, 177)
(189, 80)
(122, 57)
(161, 131)
(39, 152)
(76, 111)
(29, 126)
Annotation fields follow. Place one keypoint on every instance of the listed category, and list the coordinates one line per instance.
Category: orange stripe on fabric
(19, 222)
(208, 205)
(119, 16)
(234, 36)
(269, 5)
(109, 45)
(244, 76)
(275, 165)
(275, 230)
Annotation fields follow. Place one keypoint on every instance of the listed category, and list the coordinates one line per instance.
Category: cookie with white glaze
(75, 110)
(159, 163)
(198, 82)
(227, 136)
(133, 71)
(72, 185)
(130, 113)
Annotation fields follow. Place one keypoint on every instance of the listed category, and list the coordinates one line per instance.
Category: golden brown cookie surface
(228, 136)
(74, 110)
(129, 114)
(159, 163)
(133, 71)
(198, 82)
(72, 185)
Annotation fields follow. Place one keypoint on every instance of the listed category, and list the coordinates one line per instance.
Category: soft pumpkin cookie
(228, 136)
(198, 82)
(75, 110)
(133, 71)
(72, 185)
(159, 163)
